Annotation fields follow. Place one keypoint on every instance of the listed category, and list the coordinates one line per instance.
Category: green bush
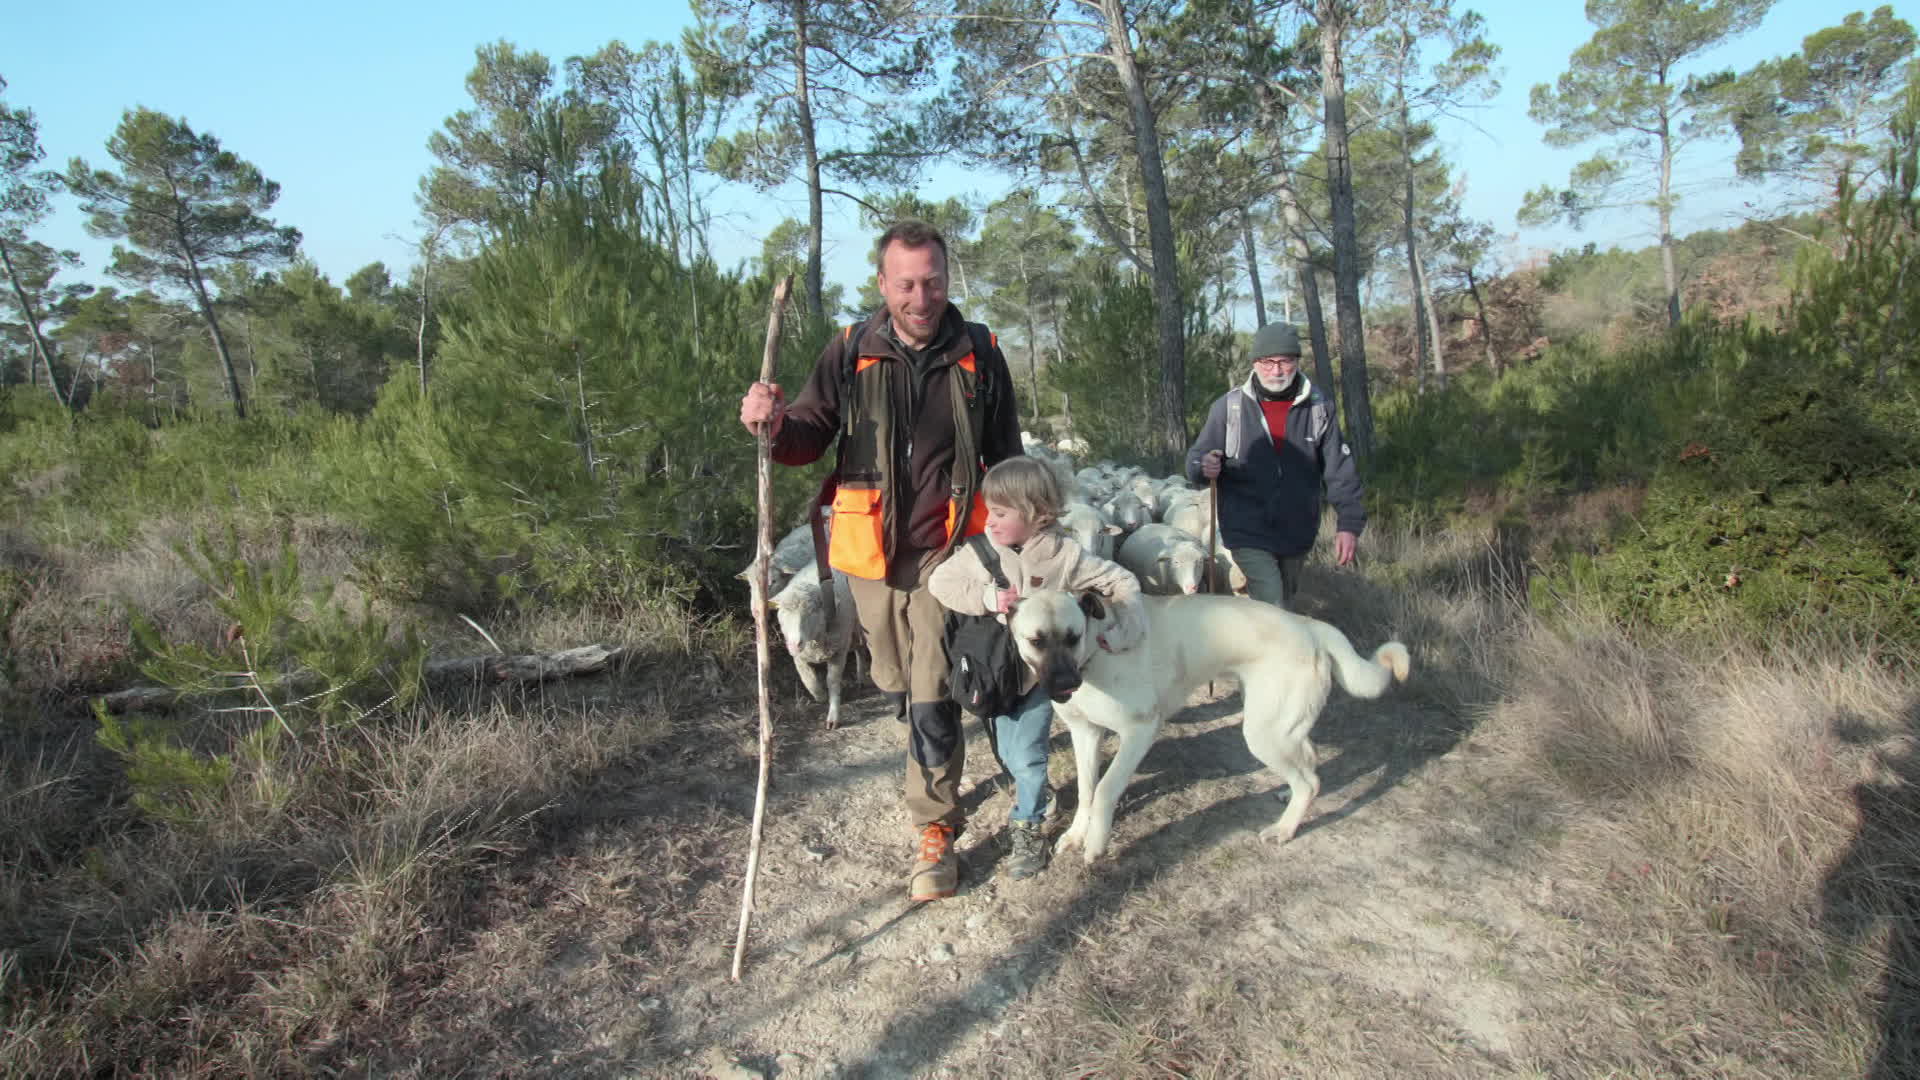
(294, 664)
(1793, 506)
(578, 443)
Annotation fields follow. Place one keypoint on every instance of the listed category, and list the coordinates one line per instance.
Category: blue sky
(336, 102)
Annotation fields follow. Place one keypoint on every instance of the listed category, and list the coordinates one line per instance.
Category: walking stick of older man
(1213, 541)
(762, 559)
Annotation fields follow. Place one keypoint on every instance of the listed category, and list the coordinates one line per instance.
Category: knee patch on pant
(934, 731)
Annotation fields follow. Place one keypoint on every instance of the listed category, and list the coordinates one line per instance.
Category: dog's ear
(1091, 606)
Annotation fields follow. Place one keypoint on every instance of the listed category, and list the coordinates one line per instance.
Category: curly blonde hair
(1027, 485)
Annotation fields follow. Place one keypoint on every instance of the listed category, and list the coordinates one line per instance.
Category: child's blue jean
(1020, 739)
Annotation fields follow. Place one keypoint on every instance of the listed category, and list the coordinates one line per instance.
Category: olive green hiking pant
(1270, 577)
(906, 636)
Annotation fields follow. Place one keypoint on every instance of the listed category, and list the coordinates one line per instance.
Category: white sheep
(1148, 489)
(1093, 532)
(1061, 467)
(1190, 513)
(812, 640)
(1166, 560)
(1127, 511)
(1227, 575)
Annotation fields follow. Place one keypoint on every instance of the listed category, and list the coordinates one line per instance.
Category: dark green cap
(1275, 339)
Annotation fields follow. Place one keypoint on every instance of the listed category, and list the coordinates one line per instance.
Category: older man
(920, 403)
(1274, 443)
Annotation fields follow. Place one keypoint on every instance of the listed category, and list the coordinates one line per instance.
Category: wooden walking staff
(763, 557)
(1213, 528)
(1213, 539)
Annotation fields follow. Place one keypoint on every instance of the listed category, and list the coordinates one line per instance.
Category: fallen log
(526, 667)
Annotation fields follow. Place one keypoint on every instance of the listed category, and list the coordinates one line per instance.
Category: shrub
(293, 662)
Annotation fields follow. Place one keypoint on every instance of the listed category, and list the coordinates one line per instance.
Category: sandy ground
(1387, 939)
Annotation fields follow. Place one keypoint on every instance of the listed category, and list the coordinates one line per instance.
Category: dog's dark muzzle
(1061, 677)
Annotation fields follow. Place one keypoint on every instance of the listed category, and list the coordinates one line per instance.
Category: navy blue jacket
(1270, 492)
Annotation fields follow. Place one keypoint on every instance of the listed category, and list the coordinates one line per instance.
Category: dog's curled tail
(1358, 675)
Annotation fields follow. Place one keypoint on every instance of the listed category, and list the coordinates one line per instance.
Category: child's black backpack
(984, 669)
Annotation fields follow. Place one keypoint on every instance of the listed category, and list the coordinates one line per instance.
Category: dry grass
(310, 897)
(1711, 843)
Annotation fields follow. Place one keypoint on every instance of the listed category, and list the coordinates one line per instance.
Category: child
(1024, 503)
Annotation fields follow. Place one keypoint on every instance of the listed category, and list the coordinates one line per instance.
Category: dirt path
(1387, 939)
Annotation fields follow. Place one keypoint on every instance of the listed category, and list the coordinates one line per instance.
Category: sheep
(1227, 576)
(1092, 531)
(1061, 467)
(1166, 560)
(1127, 511)
(811, 639)
(1148, 489)
(1190, 513)
(791, 555)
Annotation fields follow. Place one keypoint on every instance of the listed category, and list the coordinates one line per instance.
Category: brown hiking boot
(936, 873)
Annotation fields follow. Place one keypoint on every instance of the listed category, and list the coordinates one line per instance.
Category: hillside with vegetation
(1647, 518)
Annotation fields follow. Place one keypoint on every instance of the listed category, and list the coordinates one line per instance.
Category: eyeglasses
(1275, 361)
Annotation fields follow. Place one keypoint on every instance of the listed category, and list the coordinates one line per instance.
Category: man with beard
(917, 404)
(1274, 443)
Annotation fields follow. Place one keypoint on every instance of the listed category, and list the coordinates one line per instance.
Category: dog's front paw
(1070, 839)
(1092, 847)
(1276, 834)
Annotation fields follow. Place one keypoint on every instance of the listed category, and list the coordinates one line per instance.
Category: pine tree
(188, 208)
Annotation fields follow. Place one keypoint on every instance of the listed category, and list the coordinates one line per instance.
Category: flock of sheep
(1156, 527)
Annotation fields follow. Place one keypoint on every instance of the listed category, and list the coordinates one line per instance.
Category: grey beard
(1274, 386)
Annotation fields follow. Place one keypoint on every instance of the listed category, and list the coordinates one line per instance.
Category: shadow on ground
(1876, 884)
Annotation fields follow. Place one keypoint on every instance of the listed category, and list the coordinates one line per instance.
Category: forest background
(227, 472)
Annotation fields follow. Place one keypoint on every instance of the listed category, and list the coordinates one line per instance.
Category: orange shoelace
(934, 841)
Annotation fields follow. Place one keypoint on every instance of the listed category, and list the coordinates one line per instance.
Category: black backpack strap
(968, 463)
(832, 481)
(989, 558)
(983, 342)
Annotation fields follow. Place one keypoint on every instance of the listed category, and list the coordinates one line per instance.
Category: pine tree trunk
(1415, 295)
(689, 209)
(1486, 327)
(420, 332)
(1253, 270)
(1346, 255)
(803, 108)
(205, 304)
(1168, 320)
(1433, 326)
(1309, 287)
(1667, 270)
(587, 454)
(1053, 314)
(1033, 340)
(43, 354)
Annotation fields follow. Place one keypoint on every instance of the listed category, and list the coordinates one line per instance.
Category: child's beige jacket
(1050, 559)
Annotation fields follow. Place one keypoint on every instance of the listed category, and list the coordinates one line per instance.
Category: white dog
(1286, 663)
